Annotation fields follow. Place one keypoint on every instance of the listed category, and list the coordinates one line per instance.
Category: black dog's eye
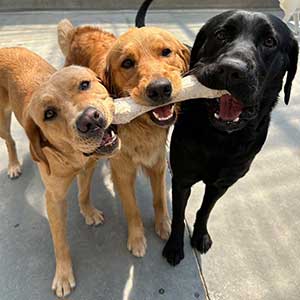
(50, 114)
(84, 85)
(270, 42)
(221, 35)
(166, 52)
(127, 63)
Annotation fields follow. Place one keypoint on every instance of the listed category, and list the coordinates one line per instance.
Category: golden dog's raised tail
(65, 31)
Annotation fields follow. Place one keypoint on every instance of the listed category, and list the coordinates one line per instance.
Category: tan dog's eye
(84, 85)
(166, 52)
(49, 114)
(127, 63)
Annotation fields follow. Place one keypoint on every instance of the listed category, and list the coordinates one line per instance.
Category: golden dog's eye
(270, 42)
(84, 85)
(50, 114)
(127, 63)
(166, 52)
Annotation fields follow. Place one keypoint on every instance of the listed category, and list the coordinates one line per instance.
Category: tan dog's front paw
(14, 170)
(92, 216)
(137, 245)
(63, 282)
(163, 228)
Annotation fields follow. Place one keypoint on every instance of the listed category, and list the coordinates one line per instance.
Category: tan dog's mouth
(109, 142)
(164, 115)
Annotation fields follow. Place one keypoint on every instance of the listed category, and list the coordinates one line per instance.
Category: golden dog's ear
(185, 54)
(107, 80)
(35, 138)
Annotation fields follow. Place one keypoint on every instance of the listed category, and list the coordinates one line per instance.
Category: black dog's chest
(206, 154)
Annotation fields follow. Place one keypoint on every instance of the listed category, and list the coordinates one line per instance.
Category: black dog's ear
(291, 70)
(199, 42)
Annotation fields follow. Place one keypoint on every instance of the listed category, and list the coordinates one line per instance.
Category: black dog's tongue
(230, 108)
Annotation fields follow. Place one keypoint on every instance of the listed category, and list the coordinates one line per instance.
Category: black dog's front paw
(202, 242)
(173, 252)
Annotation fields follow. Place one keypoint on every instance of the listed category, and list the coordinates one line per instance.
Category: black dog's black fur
(247, 54)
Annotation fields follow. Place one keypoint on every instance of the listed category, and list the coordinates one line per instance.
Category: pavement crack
(207, 296)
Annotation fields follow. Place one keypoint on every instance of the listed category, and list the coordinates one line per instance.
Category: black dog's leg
(173, 250)
(201, 239)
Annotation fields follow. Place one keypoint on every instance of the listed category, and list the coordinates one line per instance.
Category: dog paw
(137, 245)
(202, 242)
(163, 228)
(63, 282)
(173, 252)
(92, 216)
(14, 171)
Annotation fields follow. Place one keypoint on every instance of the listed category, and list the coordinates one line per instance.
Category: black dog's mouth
(109, 142)
(163, 116)
(229, 114)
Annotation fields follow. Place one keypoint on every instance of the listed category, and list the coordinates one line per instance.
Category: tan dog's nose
(90, 121)
(159, 90)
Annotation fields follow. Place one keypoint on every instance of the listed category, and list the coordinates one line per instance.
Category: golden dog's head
(147, 63)
(71, 113)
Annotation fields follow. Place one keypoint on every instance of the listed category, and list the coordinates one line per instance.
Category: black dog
(215, 141)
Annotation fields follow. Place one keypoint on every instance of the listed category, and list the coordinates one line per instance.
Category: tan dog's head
(147, 63)
(71, 112)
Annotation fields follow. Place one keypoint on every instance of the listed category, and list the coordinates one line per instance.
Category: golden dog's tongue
(230, 108)
(164, 112)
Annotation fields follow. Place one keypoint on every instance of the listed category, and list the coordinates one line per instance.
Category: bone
(126, 109)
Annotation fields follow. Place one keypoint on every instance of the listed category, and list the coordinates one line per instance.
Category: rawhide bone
(126, 109)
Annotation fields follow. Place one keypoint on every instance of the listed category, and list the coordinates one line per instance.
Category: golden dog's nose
(159, 90)
(90, 121)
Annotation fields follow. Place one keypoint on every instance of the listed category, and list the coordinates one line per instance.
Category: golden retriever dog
(147, 64)
(66, 115)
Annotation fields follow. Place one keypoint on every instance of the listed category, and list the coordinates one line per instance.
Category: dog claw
(137, 245)
(202, 242)
(14, 171)
(173, 253)
(63, 282)
(163, 228)
(92, 216)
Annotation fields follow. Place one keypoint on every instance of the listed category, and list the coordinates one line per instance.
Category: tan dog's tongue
(230, 108)
(163, 111)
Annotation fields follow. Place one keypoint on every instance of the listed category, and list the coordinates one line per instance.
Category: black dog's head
(247, 54)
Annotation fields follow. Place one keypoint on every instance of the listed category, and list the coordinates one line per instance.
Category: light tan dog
(147, 64)
(66, 116)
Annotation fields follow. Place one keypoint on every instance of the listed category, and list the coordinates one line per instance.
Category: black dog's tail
(141, 14)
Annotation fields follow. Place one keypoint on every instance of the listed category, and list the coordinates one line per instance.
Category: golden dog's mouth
(163, 116)
(109, 142)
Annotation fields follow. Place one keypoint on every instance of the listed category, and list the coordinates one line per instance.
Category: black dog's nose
(90, 120)
(232, 70)
(159, 89)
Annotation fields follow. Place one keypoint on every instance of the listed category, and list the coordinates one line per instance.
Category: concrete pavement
(255, 227)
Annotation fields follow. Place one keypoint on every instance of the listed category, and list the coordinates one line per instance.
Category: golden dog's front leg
(64, 280)
(157, 175)
(92, 215)
(124, 181)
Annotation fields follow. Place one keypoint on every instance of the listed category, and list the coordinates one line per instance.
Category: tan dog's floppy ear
(108, 81)
(185, 54)
(34, 134)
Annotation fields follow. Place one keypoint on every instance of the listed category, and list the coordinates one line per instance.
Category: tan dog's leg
(14, 167)
(92, 215)
(56, 192)
(157, 176)
(124, 181)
